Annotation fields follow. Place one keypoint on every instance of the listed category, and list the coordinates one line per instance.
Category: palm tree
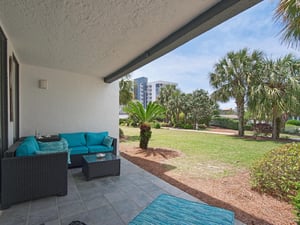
(144, 117)
(125, 90)
(278, 90)
(165, 99)
(288, 14)
(175, 105)
(231, 78)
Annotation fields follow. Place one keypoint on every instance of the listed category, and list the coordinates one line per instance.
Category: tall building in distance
(153, 89)
(148, 92)
(140, 90)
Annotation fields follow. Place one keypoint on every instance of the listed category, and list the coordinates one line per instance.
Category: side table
(48, 138)
(92, 166)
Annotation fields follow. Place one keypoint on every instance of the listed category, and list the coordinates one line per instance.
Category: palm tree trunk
(278, 126)
(145, 135)
(241, 112)
(274, 124)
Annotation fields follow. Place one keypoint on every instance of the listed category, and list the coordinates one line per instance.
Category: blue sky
(190, 64)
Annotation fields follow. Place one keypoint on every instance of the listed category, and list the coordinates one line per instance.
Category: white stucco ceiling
(93, 37)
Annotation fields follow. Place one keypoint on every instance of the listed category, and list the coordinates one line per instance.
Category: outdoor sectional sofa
(33, 176)
(86, 143)
(31, 169)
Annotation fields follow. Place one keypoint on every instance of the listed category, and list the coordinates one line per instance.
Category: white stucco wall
(72, 103)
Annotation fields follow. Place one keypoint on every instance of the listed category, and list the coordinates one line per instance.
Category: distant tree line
(187, 110)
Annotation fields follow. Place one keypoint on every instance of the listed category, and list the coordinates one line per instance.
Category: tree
(187, 105)
(231, 79)
(288, 13)
(175, 105)
(144, 117)
(202, 108)
(169, 98)
(278, 90)
(125, 90)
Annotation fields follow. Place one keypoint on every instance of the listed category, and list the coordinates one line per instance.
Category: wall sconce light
(43, 84)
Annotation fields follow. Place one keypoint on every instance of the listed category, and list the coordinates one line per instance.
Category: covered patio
(110, 200)
(59, 61)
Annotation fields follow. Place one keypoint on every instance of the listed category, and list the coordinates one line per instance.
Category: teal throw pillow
(34, 141)
(26, 148)
(107, 141)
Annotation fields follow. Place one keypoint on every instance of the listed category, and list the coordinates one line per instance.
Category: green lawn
(203, 151)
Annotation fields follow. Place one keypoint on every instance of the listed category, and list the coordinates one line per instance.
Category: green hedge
(228, 123)
(184, 126)
(225, 123)
(293, 122)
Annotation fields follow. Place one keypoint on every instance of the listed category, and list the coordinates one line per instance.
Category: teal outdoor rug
(167, 210)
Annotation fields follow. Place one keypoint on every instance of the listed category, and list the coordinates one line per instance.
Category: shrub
(165, 125)
(248, 127)
(188, 126)
(296, 203)
(124, 122)
(278, 171)
(225, 123)
(293, 122)
(202, 126)
(156, 125)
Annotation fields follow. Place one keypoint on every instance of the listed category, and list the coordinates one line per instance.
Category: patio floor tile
(127, 209)
(105, 215)
(110, 200)
(42, 216)
(96, 202)
(72, 208)
(77, 217)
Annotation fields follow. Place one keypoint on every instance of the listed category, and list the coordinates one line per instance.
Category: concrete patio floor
(106, 201)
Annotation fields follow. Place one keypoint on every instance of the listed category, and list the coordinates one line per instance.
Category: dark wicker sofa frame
(76, 160)
(32, 177)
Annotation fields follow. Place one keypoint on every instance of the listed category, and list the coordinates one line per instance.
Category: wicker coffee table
(109, 165)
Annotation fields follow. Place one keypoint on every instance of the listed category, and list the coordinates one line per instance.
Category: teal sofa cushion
(107, 141)
(74, 139)
(95, 138)
(79, 150)
(28, 147)
(99, 148)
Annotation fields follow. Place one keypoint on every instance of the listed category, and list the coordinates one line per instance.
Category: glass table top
(93, 158)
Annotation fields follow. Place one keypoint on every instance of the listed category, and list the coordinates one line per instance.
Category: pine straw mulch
(231, 192)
